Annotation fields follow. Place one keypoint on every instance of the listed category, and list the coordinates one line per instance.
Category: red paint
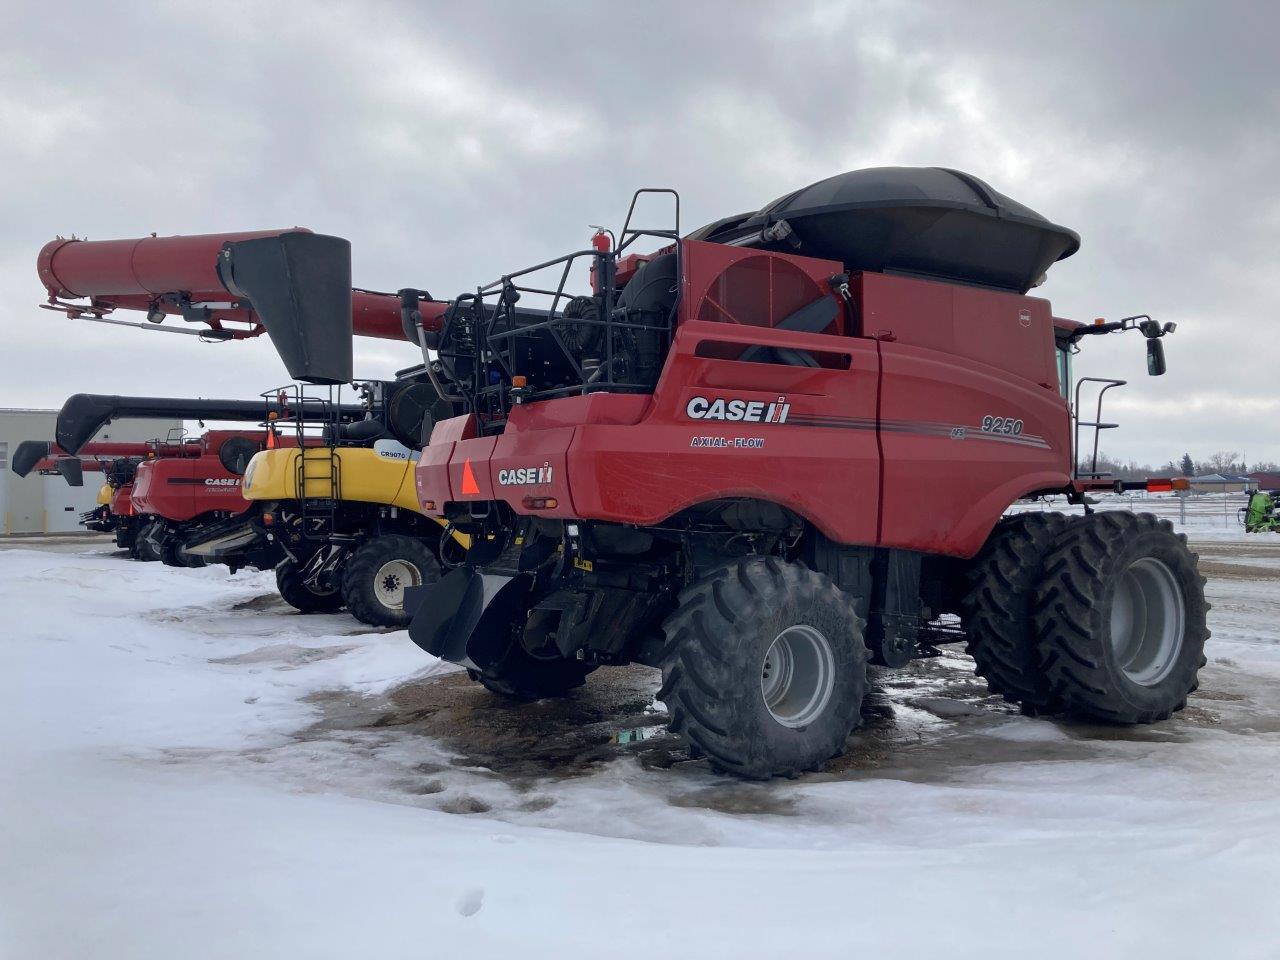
(884, 443)
(187, 480)
(133, 274)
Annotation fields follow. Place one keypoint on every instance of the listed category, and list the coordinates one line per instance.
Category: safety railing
(1096, 423)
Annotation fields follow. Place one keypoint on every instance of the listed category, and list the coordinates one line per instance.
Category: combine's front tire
(764, 668)
(377, 574)
(301, 597)
(998, 609)
(1121, 618)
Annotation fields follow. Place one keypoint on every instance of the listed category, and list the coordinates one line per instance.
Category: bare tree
(1222, 462)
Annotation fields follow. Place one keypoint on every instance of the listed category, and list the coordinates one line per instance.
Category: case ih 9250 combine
(765, 453)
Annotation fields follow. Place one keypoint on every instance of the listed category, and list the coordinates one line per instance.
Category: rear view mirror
(1155, 358)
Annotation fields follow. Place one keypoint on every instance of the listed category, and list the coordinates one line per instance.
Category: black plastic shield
(300, 287)
(445, 613)
(466, 617)
(27, 455)
(72, 471)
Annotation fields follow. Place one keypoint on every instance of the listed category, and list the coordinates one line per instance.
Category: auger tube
(83, 414)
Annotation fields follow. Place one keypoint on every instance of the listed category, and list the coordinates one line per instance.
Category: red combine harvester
(116, 461)
(181, 486)
(767, 452)
(46, 457)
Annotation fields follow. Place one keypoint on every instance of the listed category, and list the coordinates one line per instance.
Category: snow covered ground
(192, 770)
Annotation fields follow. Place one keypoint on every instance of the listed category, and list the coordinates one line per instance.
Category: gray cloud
(450, 141)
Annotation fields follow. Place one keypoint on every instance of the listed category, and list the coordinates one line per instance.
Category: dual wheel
(371, 583)
(1101, 617)
(764, 661)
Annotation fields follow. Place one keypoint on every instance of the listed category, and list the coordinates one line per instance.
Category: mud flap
(467, 616)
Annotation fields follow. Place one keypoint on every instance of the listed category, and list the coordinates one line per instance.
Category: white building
(36, 504)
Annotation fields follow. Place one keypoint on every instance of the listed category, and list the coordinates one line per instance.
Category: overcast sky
(452, 141)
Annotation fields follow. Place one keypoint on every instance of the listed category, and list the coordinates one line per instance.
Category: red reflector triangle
(469, 485)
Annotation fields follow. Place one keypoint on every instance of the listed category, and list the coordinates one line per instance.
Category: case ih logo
(525, 476)
(222, 482)
(738, 411)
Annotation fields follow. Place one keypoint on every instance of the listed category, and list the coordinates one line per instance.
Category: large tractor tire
(172, 554)
(377, 574)
(998, 609)
(305, 599)
(519, 676)
(1121, 618)
(145, 547)
(764, 668)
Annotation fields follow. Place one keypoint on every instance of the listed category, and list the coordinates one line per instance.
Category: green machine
(1261, 515)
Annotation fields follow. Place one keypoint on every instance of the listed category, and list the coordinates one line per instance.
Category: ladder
(318, 472)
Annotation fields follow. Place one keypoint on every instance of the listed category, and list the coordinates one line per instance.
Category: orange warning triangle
(469, 485)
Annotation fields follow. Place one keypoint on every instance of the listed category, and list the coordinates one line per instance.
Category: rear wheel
(764, 668)
(1121, 618)
(378, 573)
(295, 591)
(998, 609)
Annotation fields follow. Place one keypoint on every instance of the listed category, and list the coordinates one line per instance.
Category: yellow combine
(338, 520)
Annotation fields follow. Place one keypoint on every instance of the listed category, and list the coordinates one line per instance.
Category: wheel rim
(798, 675)
(1148, 619)
(391, 580)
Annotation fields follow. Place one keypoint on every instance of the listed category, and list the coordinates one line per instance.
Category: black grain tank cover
(928, 221)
